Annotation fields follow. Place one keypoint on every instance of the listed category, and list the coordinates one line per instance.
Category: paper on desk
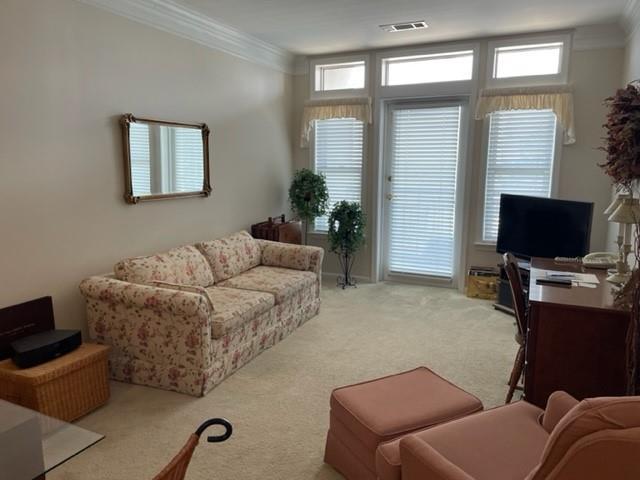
(583, 284)
(575, 277)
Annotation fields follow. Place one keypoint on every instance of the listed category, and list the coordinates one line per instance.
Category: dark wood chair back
(517, 292)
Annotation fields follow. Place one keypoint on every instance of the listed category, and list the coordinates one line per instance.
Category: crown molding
(176, 19)
(630, 20)
(591, 37)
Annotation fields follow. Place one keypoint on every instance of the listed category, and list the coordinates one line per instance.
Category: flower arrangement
(622, 146)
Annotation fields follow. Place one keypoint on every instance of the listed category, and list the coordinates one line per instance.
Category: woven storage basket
(66, 388)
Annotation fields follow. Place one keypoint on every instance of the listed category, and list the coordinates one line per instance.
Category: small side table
(66, 388)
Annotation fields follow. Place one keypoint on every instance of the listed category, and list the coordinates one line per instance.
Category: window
(338, 151)
(433, 68)
(528, 60)
(340, 76)
(520, 156)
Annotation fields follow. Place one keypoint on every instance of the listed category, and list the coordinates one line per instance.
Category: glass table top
(32, 444)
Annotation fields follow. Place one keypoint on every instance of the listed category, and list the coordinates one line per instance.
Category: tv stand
(504, 302)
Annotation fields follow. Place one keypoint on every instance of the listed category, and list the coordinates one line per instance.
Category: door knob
(389, 196)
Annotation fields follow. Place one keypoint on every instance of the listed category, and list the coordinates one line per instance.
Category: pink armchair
(594, 439)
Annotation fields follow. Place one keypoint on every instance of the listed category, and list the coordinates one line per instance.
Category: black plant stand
(346, 265)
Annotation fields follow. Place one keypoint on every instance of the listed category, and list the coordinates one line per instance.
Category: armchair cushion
(182, 265)
(558, 405)
(499, 444)
(232, 255)
(280, 282)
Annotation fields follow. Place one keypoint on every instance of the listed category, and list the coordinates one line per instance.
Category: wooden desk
(575, 338)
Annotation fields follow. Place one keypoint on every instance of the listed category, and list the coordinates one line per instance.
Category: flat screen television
(543, 227)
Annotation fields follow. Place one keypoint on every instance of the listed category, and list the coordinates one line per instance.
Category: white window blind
(521, 150)
(140, 158)
(338, 150)
(424, 163)
(189, 162)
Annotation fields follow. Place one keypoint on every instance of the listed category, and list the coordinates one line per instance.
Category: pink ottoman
(367, 414)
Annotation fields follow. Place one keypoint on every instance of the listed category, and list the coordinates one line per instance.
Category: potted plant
(308, 196)
(623, 166)
(346, 236)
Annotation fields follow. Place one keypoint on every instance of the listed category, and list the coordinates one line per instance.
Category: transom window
(432, 68)
(528, 60)
(340, 76)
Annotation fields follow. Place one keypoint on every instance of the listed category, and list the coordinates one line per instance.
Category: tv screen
(543, 227)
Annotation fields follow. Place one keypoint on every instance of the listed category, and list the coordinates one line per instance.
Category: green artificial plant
(308, 196)
(346, 237)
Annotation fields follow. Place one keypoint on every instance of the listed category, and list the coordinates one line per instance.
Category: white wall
(67, 72)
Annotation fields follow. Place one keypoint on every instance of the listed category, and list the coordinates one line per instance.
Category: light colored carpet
(279, 403)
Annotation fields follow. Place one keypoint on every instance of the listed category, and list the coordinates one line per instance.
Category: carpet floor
(279, 403)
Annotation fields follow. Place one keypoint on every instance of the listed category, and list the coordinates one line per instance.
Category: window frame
(341, 93)
(363, 187)
(562, 77)
(554, 187)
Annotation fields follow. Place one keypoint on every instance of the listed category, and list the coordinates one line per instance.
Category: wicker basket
(66, 388)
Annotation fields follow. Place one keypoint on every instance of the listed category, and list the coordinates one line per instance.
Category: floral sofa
(186, 319)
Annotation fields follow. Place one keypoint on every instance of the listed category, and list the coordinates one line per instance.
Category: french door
(422, 163)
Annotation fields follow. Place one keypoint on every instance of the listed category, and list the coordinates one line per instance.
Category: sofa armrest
(420, 461)
(177, 302)
(287, 255)
(558, 405)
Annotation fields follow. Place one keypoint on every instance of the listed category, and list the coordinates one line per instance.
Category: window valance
(558, 99)
(358, 108)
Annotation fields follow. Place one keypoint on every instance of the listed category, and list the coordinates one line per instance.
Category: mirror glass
(165, 160)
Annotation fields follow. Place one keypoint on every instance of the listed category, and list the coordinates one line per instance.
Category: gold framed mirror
(164, 160)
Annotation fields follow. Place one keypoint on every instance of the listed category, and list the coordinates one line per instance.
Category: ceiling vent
(405, 26)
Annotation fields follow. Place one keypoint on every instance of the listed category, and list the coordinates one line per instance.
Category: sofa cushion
(182, 265)
(232, 255)
(280, 282)
(233, 307)
(499, 444)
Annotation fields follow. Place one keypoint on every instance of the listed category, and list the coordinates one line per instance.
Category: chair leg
(516, 373)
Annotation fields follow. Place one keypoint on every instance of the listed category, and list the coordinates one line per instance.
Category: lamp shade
(628, 212)
(616, 203)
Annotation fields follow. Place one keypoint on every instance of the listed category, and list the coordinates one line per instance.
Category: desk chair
(520, 307)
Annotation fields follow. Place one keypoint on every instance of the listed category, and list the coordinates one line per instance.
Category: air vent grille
(405, 26)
